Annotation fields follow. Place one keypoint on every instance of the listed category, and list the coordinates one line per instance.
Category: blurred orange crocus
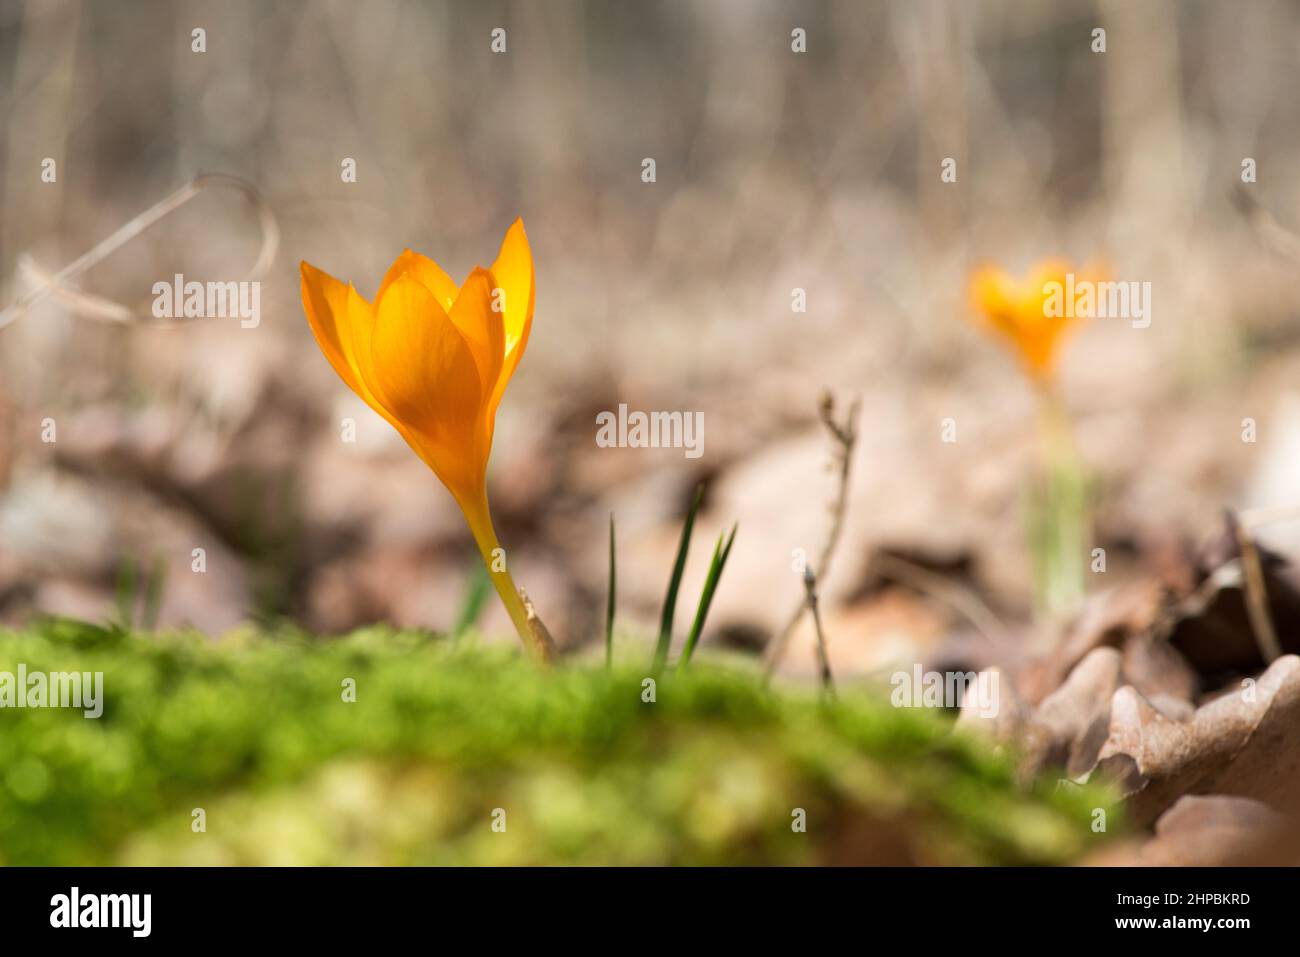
(434, 359)
(1019, 310)
(1034, 315)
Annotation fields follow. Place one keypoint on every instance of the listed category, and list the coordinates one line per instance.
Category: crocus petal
(341, 321)
(513, 271)
(988, 290)
(1017, 310)
(424, 373)
(424, 271)
(356, 336)
(326, 302)
(483, 328)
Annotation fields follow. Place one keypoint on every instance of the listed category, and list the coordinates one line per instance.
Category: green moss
(255, 731)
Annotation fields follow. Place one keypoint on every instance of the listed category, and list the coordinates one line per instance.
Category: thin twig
(962, 600)
(810, 598)
(90, 306)
(1252, 574)
(845, 436)
(1281, 239)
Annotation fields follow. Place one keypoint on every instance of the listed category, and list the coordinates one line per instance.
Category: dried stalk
(845, 436)
(1252, 574)
(962, 600)
(1271, 233)
(810, 597)
(89, 306)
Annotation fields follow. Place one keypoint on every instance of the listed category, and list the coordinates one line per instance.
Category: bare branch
(845, 436)
(810, 596)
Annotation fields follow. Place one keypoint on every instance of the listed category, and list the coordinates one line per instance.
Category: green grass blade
(476, 596)
(720, 553)
(670, 600)
(609, 605)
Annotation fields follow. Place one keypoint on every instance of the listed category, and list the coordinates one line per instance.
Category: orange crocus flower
(1019, 310)
(434, 359)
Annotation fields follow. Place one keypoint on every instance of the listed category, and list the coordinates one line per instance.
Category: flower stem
(479, 518)
(1061, 520)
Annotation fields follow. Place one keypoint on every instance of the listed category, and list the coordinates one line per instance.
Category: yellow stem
(479, 518)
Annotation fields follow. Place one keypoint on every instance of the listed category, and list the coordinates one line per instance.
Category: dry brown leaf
(1071, 724)
(1246, 744)
(1109, 619)
(1211, 626)
(1007, 723)
(1159, 671)
(1220, 830)
(1208, 831)
(1067, 729)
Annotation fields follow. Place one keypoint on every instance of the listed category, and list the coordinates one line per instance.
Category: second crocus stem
(1065, 508)
(479, 519)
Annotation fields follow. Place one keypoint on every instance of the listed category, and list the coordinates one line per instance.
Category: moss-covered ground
(446, 739)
